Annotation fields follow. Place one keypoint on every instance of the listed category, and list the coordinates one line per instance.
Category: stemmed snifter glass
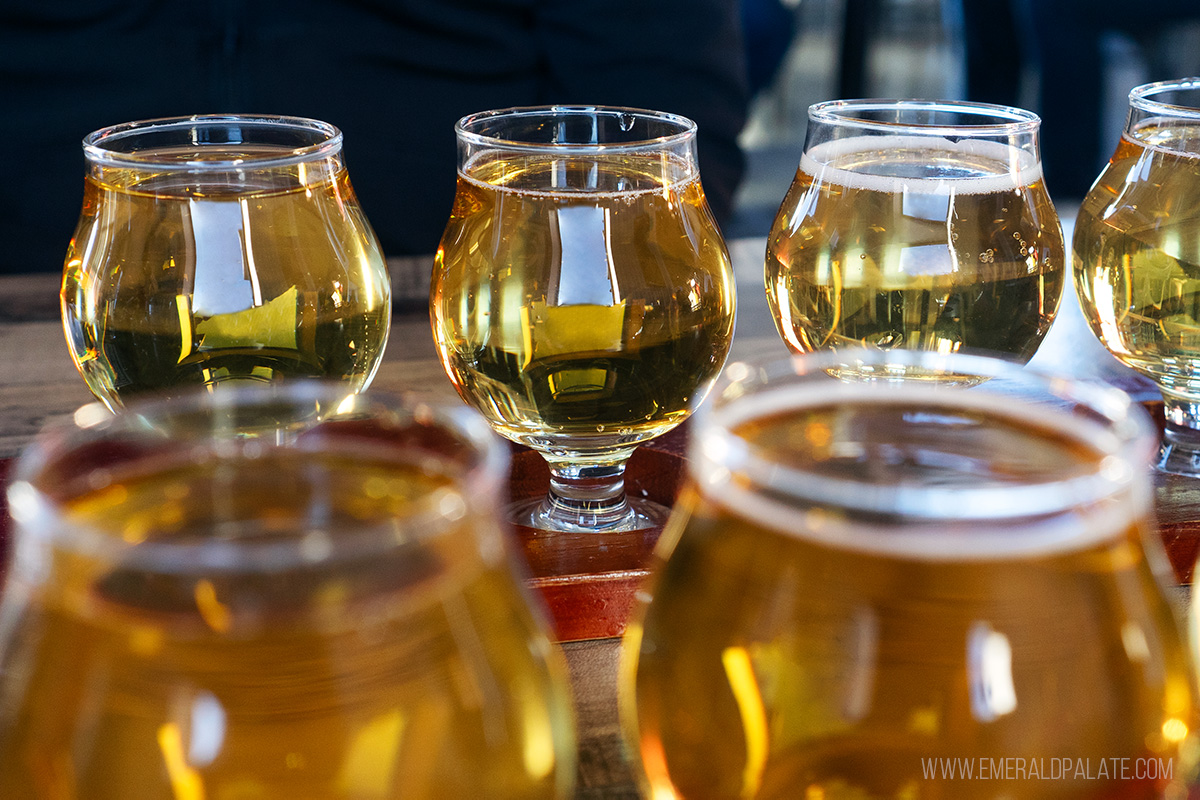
(582, 295)
(221, 249)
(1137, 257)
(917, 225)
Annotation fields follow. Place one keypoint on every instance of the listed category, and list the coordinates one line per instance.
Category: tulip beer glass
(220, 249)
(322, 611)
(1137, 257)
(582, 295)
(886, 588)
(917, 225)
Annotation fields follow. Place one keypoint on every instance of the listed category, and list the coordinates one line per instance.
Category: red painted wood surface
(1177, 509)
(588, 581)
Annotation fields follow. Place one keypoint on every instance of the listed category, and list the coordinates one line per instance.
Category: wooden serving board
(588, 581)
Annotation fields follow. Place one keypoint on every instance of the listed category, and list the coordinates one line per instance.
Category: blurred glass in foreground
(322, 610)
(885, 589)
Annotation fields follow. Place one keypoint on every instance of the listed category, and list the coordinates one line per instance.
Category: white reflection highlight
(989, 672)
(207, 730)
(860, 684)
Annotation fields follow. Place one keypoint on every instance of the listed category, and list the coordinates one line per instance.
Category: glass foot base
(1180, 450)
(1179, 458)
(552, 515)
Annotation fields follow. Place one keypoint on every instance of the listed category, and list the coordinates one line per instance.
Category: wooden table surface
(38, 382)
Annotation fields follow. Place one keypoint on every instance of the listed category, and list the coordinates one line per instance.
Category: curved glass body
(1137, 256)
(221, 249)
(895, 589)
(322, 610)
(582, 296)
(916, 225)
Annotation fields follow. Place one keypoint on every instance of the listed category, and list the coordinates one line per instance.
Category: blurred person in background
(393, 75)
(1061, 45)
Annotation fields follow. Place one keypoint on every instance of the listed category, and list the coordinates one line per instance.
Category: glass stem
(1180, 451)
(588, 496)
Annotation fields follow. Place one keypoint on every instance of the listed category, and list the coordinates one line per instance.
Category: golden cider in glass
(1137, 253)
(878, 617)
(916, 242)
(222, 263)
(582, 318)
(324, 622)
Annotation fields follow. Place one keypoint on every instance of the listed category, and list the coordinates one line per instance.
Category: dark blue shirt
(394, 75)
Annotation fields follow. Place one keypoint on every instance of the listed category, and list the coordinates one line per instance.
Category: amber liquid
(408, 671)
(1137, 255)
(791, 651)
(585, 317)
(899, 243)
(173, 281)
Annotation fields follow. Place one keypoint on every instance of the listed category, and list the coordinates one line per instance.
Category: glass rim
(1126, 450)
(41, 517)
(1010, 119)
(1141, 97)
(687, 128)
(96, 144)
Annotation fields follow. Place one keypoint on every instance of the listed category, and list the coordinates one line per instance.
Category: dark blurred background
(1071, 61)
(395, 74)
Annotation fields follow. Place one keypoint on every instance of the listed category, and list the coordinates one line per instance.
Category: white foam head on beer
(1002, 168)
